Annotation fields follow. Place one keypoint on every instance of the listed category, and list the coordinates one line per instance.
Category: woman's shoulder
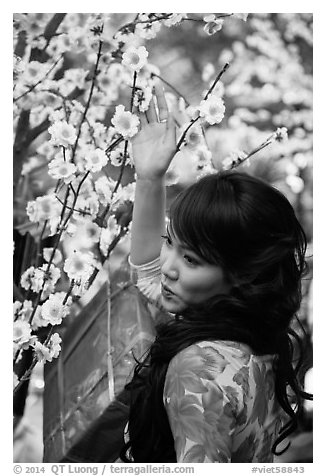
(227, 364)
(213, 355)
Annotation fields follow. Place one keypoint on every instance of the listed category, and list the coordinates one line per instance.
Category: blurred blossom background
(71, 125)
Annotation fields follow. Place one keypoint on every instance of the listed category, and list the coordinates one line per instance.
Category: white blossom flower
(125, 122)
(43, 208)
(26, 278)
(104, 188)
(33, 278)
(135, 58)
(80, 287)
(49, 351)
(280, 134)
(213, 24)
(142, 98)
(91, 231)
(108, 234)
(21, 333)
(38, 320)
(17, 305)
(26, 310)
(47, 252)
(87, 205)
(174, 19)
(53, 310)
(241, 16)
(212, 109)
(117, 156)
(52, 100)
(194, 137)
(116, 72)
(147, 30)
(95, 160)
(79, 266)
(62, 133)
(126, 37)
(61, 169)
(235, 158)
(34, 71)
(54, 345)
(208, 72)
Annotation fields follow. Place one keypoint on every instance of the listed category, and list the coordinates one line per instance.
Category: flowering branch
(89, 98)
(31, 88)
(193, 121)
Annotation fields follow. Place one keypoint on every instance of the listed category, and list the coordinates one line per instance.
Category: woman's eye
(190, 260)
(167, 240)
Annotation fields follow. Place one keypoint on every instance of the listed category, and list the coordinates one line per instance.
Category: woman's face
(186, 278)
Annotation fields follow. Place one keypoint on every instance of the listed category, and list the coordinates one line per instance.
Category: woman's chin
(171, 305)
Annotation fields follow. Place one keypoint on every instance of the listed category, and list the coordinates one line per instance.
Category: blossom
(174, 19)
(43, 208)
(135, 58)
(88, 204)
(57, 257)
(26, 278)
(95, 160)
(38, 320)
(280, 134)
(34, 72)
(21, 333)
(54, 345)
(61, 169)
(53, 310)
(49, 351)
(208, 72)
(213, 24)
(212, 109)
(62, 133)
(194, 137)
(33, 278)
(147, 30)
(125, 122)
(108, 234)
(104, 188)
(241, 16)
(79, 266)
(234, 159)
(17, 305)
(91, 231)
(51, 100)
(26, 310)
(142, 98)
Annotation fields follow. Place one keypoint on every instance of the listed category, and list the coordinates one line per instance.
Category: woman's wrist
(147, 179)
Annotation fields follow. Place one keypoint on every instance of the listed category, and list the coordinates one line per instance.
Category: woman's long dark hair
(250, 229)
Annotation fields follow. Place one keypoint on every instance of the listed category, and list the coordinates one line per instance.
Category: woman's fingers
(151, 113)
(161, 102)
(143, 119)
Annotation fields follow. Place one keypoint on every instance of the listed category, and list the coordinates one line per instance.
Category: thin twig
(88, 100)
(31, 88)
(193, 121)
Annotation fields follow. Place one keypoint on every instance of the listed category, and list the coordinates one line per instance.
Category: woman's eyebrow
(181, 244)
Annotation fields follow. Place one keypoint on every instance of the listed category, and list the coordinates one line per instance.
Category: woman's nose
(169, 268)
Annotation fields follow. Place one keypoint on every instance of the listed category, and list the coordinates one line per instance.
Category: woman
(214, 386)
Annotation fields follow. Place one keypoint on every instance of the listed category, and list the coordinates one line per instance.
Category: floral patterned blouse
(219, 396)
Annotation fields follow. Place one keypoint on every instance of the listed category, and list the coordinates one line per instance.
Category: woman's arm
(153, 149)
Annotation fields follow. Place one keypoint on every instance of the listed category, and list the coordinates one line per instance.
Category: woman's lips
(167, 291)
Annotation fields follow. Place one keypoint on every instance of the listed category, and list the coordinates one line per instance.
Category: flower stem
(88, 100)
(31, 88)
(193, 121)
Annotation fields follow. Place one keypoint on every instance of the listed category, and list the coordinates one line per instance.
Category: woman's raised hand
(155, 144)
